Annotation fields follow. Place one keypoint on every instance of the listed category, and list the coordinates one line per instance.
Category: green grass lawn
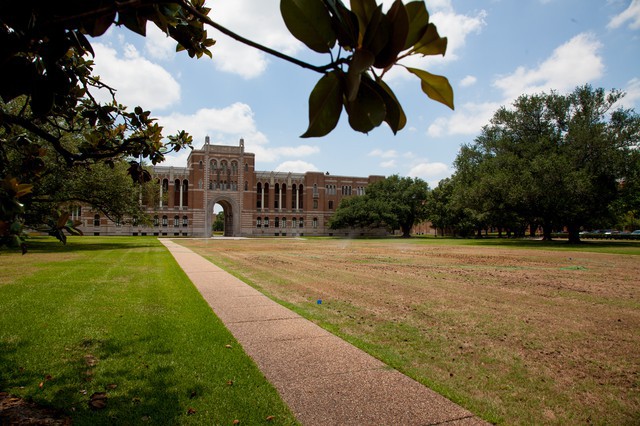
(117, 315)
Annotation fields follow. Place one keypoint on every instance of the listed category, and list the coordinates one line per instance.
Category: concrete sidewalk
(322, 378)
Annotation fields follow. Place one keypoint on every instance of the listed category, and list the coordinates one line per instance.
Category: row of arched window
(224, 167)
(280, 196)
(263, 222)
(180, 192)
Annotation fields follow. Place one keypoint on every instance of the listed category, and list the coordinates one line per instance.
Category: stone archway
(231, 216)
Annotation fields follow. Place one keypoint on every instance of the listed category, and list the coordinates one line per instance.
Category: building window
(276, 222)
(259, 222)
(259, 197)
(156, 221)
(315, 222)
(134, 221)
(330, 205)
(165, 221)
(315, 204)
(266, 222)
(234, 167)
(246, 167)
(200, 165)
(246, 185)
(200, 184)
(96, 220)
(176, 221)
(294, 222)
(214, 165)
(283, 224)
(301, 223)
(185, 221)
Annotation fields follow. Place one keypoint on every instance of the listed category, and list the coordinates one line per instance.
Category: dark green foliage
(558, 161)
(394, 203)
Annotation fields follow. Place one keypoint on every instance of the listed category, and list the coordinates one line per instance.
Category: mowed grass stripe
(118, 315)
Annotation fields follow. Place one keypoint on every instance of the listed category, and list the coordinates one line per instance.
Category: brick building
(255, 203)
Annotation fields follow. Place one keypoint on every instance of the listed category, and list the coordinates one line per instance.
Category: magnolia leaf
(101, 24)
(368, 110)
(395, 118)
(378, 31)
(418, 22)
(431, 43)
(310, 22)
(344, 23)
(325, 105)
(364, 10)
(436, 87)
(398, 30)
(62, 220)
(362, 60)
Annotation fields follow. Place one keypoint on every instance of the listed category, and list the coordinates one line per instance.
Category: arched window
(185, 221)
(259, 196)
(200, 184)
(156, 221)
(315, 222)
(266, 195)
(284, 195)
(246, 185)
(223, 166)
(276, 222)
(234, 168)
(300, 197)
(165, 221)
(293, 196)
(266, 222)
(185, 192)
(246, 167)
(176, 221)
(96, 220)
(176, 192)
(165, 186)
(283, 224)
(276, 196)
(301, 223)
(214, 165)
(200, 165)
(259, 222)
(330, 205)
(294, 223)
(210, 184)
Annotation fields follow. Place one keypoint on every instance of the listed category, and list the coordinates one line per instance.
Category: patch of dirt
(556, 329)
(16, 411)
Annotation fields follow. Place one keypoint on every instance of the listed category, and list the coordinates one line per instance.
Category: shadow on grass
(80, 244)
(136, 390)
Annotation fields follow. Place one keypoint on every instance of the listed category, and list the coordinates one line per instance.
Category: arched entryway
(231, 214)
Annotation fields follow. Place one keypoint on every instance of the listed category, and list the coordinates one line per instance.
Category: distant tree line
(551, 161)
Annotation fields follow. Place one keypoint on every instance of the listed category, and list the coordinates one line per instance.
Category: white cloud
(297, 166)
(388, 164)
(225, 126)
(432, 173)
(632, 94)
(158, 45)
(632, 13)
(259, 21)
(468, 81)
(138, 81)
(467, 120)
(574, 63)
(383, 154)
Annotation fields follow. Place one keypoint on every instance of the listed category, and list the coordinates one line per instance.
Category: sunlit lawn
(117, 315)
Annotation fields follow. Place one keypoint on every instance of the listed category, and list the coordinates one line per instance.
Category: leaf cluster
(372, 42)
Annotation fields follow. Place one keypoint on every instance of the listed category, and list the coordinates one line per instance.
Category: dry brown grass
(517, 336)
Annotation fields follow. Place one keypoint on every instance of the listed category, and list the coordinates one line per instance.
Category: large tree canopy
(554, 160)
(394, 202)
(46, 92)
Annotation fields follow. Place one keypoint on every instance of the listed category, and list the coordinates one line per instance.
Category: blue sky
(498, 50)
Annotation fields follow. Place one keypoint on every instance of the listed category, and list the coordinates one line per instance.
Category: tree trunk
(406, 231)
(546, 232)
(574, 234)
